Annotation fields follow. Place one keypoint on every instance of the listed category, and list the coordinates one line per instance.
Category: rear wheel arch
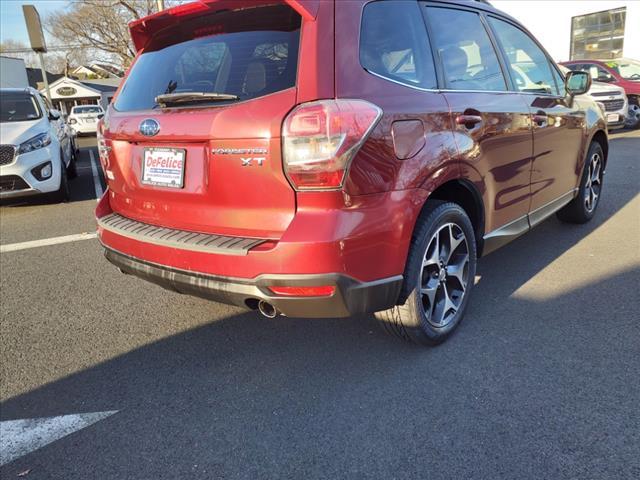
(439, 253)
(601, 137)
(464, 193)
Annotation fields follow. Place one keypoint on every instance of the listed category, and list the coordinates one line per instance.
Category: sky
(553, 30)
(12, 20)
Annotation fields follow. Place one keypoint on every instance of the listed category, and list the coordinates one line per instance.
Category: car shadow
(247, 397)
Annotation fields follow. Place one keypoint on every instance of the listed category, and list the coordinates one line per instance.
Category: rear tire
(583, 207)
(72, 171)
(438, 279)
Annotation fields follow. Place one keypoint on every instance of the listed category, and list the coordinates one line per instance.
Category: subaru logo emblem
(149, 127)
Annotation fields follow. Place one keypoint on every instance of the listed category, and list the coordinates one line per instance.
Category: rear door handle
(468, 121)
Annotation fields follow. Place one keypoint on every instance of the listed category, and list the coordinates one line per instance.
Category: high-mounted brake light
(320, 138)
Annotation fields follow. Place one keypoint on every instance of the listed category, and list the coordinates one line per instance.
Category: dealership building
(67, 92)
(576, 30)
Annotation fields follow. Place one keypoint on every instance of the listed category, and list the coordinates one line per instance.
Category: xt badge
(249, 161)
(246, 161)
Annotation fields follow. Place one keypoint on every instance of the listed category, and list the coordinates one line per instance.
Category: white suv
(612, 100)
(36, 152)
(84, 118)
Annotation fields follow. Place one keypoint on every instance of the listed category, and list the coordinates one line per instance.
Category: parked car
(37, 155)
(84, 118)
(622, 72)
(64, 127)
(312, 159)
(612, 99)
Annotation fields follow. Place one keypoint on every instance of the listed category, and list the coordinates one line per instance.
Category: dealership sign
(66, 91)
(66, 88)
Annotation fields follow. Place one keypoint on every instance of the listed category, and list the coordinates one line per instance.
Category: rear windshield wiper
(167, 99)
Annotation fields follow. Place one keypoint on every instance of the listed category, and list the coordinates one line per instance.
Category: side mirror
(54, 114)
(577, 82)
(100, 115)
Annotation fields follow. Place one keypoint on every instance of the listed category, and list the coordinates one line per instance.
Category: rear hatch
(194, 133)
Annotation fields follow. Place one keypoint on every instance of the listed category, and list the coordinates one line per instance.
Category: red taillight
(319, 139)
(323, 291)
(104, 148)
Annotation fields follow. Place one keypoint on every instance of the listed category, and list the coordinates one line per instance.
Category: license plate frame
(154, 174)
(612, 117)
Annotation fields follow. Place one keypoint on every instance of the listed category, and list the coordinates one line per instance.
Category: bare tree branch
(101, 24)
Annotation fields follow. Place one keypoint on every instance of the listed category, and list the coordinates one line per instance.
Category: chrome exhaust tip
(266, 309)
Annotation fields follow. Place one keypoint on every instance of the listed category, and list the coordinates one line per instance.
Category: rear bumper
(351, 296)
(85, 127)
(359, 248)
(367, 240)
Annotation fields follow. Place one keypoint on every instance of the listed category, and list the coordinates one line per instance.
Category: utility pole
(160, 4)
(36, 38)
(44, 76)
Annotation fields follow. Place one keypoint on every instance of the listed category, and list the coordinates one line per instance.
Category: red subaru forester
(319, 158)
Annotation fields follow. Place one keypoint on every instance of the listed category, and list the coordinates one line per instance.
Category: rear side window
(529, 65)
(394, 44)
(468, 58)
(248, 53)
(46, 103)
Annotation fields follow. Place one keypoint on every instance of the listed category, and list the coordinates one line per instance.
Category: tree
(101, 26)
(15, 49)
(56, 61)
(64, 61)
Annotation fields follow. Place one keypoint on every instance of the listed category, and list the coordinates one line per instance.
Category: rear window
(18, 107)
(87, 110)
(247, 53)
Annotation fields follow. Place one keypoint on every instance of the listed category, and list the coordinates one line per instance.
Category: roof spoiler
(142, 29)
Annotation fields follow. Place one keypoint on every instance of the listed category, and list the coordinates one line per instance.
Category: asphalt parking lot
(540, 381)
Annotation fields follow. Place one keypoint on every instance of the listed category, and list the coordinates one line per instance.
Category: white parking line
(19, 437)
(97, 185)
(13, 247)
